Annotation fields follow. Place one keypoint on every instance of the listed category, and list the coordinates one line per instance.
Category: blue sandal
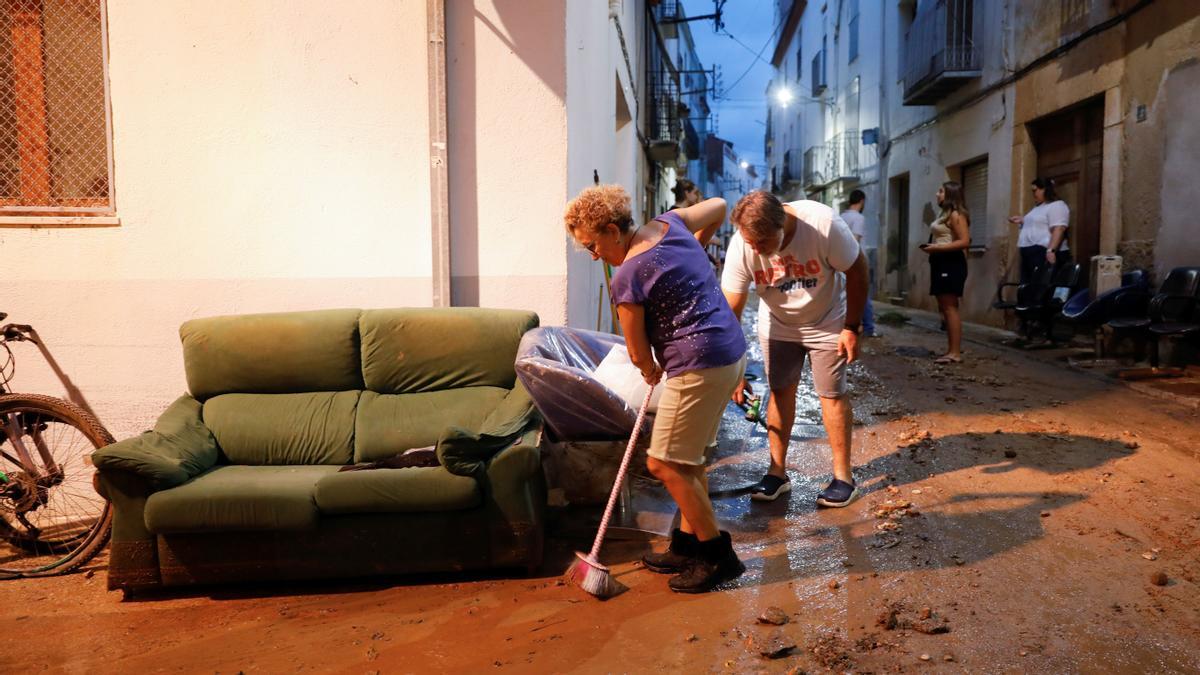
(770, 488)
(837, 494)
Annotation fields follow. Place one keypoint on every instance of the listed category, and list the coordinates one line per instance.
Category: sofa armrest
(467, 453)
(517, 463)
(179, 448)
(133, 552)
(515, 497)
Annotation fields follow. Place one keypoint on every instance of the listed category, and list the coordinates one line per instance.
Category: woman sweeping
(676, 322)
(948, 240)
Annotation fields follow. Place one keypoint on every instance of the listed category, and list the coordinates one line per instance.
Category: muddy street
(1018, 516)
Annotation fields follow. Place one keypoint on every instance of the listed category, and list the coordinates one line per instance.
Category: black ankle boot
(715, 563)
(677, 556)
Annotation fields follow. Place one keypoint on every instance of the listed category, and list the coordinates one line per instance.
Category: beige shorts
(689, 412)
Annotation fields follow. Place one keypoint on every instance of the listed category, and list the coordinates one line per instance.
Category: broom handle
(612, 498)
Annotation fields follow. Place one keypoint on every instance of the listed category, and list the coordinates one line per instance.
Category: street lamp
(783, 96)
(745, 165)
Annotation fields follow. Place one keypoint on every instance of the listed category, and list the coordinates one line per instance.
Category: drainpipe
(882, 145)
(439, 173)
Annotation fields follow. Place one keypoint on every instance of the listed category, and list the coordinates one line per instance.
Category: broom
(586, 571)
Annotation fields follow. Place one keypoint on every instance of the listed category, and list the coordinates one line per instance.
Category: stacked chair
(1039, 303)
(1172, 312)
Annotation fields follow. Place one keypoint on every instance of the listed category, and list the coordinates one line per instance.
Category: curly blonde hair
(595, 207)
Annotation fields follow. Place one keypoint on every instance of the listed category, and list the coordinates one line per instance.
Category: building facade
(992, 94)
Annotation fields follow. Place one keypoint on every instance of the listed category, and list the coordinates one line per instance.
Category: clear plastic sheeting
(555, 363)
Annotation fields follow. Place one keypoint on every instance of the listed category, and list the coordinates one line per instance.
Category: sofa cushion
(272, 353)
(239, 498)
(415, 489)
(283, 429)
(389, 424)
(416, 350)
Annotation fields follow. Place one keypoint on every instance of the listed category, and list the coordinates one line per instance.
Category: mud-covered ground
(1018, 516)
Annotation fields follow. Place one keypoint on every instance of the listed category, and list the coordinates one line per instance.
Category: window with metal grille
(974, 182)
(55, 131)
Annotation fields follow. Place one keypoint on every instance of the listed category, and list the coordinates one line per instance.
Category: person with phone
(949, 237)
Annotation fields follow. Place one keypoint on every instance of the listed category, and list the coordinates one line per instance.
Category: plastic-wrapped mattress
(555, 363)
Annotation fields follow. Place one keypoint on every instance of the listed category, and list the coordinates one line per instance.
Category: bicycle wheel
(52, 520)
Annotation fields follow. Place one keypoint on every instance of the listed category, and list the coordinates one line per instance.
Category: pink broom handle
(612, 498)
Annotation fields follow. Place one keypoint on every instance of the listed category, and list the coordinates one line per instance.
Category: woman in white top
(1043, 239)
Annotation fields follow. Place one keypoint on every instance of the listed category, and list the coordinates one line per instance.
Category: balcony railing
(667, 13)
(842, 156)
(836, 159)
(664, 128)
(940, 53)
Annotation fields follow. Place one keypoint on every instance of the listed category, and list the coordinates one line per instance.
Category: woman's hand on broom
(652, 375)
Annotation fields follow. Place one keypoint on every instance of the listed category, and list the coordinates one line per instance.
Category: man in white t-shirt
(811, 279)
(853, 216)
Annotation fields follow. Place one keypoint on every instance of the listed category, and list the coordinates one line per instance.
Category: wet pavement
(1017, 517)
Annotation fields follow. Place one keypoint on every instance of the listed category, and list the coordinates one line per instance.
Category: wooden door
(1070, 149)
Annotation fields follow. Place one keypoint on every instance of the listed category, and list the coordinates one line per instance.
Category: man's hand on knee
(847, 345)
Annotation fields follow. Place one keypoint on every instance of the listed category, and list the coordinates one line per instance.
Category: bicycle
(52, 519)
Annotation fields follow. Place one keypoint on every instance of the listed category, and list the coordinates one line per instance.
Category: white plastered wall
(591, 107)
(269, 156)
(508, 154)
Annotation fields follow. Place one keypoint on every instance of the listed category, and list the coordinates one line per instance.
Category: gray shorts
(784, 361)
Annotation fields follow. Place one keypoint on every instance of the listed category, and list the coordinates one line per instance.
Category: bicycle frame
(15, 332)
(20, 332)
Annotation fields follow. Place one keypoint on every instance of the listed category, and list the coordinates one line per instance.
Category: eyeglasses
(590, 247)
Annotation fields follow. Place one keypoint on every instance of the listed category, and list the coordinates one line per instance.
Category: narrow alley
(1018, 517)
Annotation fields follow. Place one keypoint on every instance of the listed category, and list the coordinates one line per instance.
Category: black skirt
(947, 273)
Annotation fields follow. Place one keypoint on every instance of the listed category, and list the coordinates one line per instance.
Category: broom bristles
(593, 577)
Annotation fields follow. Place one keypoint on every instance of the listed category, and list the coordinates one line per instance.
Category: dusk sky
(743, 50)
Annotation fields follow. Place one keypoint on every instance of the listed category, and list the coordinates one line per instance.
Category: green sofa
(239, 480)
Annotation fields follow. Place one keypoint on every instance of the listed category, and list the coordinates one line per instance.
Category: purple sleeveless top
(688, 321)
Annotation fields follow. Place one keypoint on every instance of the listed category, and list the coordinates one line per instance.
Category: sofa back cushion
(274, 429)
(280, 353)
(389, 424)
(419, 350)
